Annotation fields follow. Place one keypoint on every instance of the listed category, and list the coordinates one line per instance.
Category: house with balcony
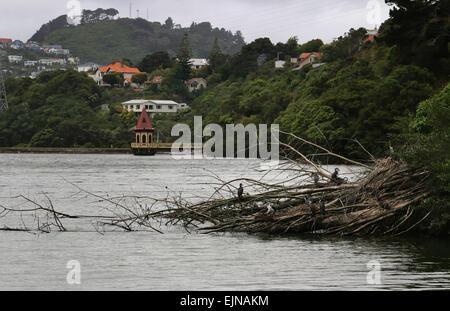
(153, 106)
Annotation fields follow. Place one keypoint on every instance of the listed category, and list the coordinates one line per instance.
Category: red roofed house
(144, 136)
(370, 38)
(309, 58)
(5, 42)
(119, 67)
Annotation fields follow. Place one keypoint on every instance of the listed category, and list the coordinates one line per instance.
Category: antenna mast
(3, 99)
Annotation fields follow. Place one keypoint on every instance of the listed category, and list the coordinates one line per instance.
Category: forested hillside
(107, 39)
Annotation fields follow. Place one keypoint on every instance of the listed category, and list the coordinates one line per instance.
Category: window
(151, 106)
(158, 107)
(170, 107)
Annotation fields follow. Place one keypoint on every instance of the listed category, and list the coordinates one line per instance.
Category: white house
(30, 63)
(153, 106)
(280, 63)
(197, 63)
(15, 58)
(88, 67)
(196, 84)
(52, 61)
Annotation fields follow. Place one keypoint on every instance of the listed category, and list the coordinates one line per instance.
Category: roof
(5, 40)
(119, 67)
(144, 122)
(306, 55)
(151, 101)
(164, 102)
(137, 101)
(196, 80)
(198, 61)
(371, 38)
(157, 79)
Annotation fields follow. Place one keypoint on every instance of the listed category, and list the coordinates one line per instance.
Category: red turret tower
(144, 136)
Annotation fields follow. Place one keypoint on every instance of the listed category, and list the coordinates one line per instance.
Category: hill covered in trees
(100, 37)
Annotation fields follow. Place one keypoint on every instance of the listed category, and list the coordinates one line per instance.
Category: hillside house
(196, 84)
(118, 67)
(308, 58)
(280, 63)
(155, 81)
(33, 46)
(5, 42)
(197, 63)
(30, 63)
(73, 60)
(57, 51)
(88, 67)
(52, 61)
(17, 45)
(15, 58)
(370, 38)
(153, 106)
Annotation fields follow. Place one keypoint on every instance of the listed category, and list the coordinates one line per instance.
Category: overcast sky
(277, 19)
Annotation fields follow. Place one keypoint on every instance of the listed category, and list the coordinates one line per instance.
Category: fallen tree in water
(379, 202)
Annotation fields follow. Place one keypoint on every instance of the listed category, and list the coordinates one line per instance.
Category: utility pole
(137, 13)
(131, 7)
(147, 14)
(3, 99)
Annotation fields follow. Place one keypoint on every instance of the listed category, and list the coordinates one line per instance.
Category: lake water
(177, 260)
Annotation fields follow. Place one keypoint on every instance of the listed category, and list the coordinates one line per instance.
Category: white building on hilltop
(197, 63)
(153, 106)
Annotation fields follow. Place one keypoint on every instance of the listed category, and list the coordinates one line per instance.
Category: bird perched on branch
(240, 191)
(335, 178)
(322, 207)
(310, 205)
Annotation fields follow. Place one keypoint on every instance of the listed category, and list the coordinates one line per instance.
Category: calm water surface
(177, 260)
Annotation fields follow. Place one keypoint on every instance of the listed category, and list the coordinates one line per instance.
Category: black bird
(334, 176)
(240, 191)
(311, 206)
(322, 207)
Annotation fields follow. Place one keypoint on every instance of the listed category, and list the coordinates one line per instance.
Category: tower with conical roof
(144, 136)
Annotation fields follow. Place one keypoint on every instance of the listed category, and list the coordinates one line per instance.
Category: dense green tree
(169, 23)
(183, 66)
(139, 78)
(216, 58)
(311, 46)
(157, 60)
(114, 78)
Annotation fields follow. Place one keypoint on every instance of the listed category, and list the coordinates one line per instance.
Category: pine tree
(184, 56)
(216, 58)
